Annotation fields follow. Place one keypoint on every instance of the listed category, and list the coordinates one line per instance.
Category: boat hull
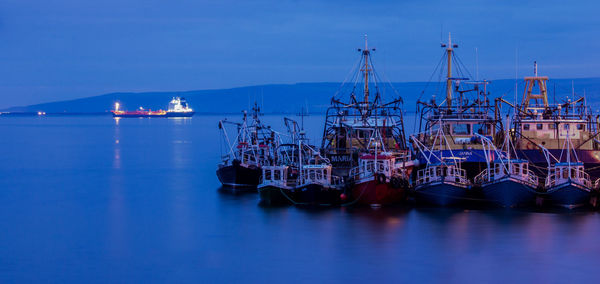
(589, 158)
(180, 114)
(148, 114)
(372, 192)
(271, 195)
(441, 193)
(509, 192)
(310, 194)
(568, 195)
(239, 176)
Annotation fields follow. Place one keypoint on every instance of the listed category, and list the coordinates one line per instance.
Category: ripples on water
(84, 199)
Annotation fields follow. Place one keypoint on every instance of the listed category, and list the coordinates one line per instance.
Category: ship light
(116, 106)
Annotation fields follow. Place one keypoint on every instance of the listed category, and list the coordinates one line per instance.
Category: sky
(66, 49)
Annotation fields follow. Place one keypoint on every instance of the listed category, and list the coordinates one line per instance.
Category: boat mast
(449, 75)
(366, 71)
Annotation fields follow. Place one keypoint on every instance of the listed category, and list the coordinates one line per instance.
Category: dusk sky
(55, 50)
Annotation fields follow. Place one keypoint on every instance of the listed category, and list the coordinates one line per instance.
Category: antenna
(516, 73)
(476, 65)
(535, 73)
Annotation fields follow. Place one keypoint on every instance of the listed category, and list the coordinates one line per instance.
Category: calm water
(86, 199)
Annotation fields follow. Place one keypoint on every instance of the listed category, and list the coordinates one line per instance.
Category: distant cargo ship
(178, 107)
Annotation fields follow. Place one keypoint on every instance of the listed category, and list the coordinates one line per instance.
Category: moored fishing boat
(506, 181)
(381, 178)
(539, 123)
(251, 149)
(443, 181)
(465, 113)
(567, 183)
(351, 122)
(442, 184)
(301, 177)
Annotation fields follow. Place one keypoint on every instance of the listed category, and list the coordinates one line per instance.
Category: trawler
(351, 123)
(251, 148)
(300, 176)
(539, 123)
(507, 181)
(567, 183)
(178, 107)
(381, 177)
(443, 181)
(465, 113)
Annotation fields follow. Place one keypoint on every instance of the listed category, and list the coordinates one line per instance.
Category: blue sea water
(91, 199)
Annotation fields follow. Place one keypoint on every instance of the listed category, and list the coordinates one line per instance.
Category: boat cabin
(564, 172)
(277, 175)
(370, 164)
(440, 172)
(319, 174)
(518, 169)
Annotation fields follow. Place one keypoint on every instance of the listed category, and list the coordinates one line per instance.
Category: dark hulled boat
(465, 113)
(300, 176)
(506, 181)
(365, 125)
(247, 153)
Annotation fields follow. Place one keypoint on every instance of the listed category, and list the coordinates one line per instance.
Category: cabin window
(525, 126)
(565, 174)
(363, 133)
(277, 175)
(539, 126)
(325, 172)
(461, 129)
(580, 126)
(517, 169)
(566, 126)
(268, 174)
(551, 126)
(481, 129)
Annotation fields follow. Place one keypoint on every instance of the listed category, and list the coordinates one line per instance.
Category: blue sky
(54, 50)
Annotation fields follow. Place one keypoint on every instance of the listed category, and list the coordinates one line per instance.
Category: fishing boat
(507, 181)
(443, 181)
(465, 113)
(538, 123)
(381, 177)
(178, 107)
(301, 176)
(357, 111)
(567, 183)
(247, 152)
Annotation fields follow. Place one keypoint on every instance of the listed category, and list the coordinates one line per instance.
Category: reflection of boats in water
(462, 116)
(178, 107)
(251, 148)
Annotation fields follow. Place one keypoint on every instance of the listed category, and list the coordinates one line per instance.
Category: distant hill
(290, 98)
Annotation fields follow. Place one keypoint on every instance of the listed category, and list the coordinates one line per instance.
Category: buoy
(343, 196)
